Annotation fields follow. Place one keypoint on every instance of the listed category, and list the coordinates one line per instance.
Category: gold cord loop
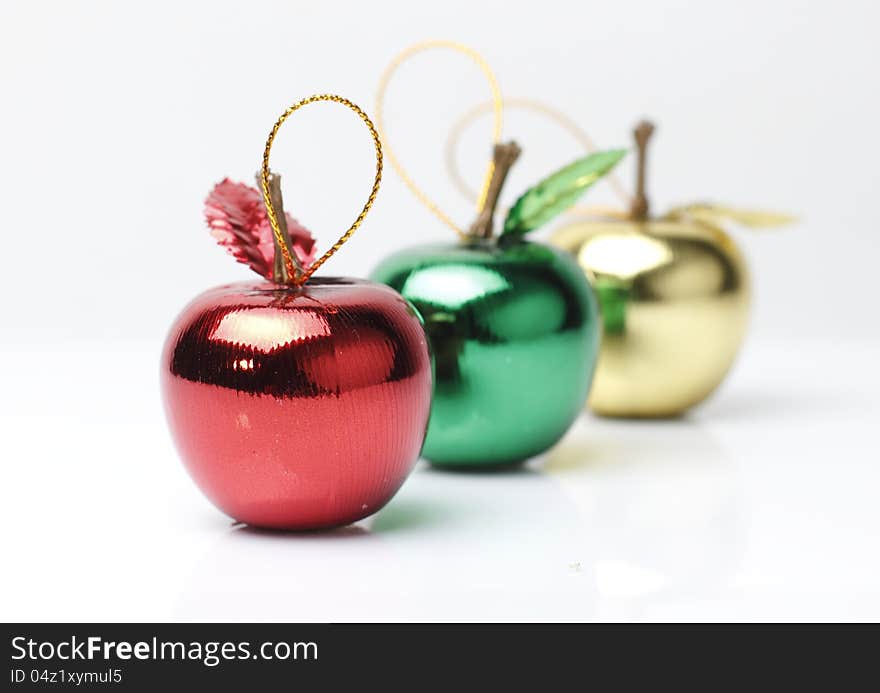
(301, 277)
(560, 119)
(496, 106)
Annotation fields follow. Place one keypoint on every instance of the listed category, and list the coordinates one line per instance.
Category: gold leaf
(716, 214)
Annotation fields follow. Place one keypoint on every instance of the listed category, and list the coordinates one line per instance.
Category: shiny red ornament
(298, 407)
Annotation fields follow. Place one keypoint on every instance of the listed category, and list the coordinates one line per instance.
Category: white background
(116, 120)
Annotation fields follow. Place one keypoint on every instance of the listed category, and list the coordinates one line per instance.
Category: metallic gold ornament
(674, 299)
(673, 291)
(674, 295)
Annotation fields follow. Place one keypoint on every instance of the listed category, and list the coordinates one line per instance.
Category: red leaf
(238, 221)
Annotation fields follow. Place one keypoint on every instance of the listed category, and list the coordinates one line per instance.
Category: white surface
(761, 505)
(117, 119)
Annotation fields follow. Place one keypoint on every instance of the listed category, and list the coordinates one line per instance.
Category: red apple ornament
(295, 403)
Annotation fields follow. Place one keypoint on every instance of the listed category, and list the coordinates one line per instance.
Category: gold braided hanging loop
(301, 277)
(563, 121)
(497, 109)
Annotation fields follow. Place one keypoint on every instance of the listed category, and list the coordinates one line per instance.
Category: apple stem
(280, 274)
(504, 156)
(640, 207)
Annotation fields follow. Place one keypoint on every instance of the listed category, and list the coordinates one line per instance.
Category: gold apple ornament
(674, 295)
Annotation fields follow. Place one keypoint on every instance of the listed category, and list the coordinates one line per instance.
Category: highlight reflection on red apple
(298, 408)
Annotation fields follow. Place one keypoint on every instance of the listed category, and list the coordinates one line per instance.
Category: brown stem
(640, 207)
(503, 158)
(279, 269)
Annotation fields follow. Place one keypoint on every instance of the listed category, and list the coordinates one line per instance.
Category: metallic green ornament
(514, 328)
(514, 325)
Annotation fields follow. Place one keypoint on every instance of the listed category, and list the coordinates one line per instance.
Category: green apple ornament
(513, 324)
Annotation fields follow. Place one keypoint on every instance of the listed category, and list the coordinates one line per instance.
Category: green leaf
(555, 194)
